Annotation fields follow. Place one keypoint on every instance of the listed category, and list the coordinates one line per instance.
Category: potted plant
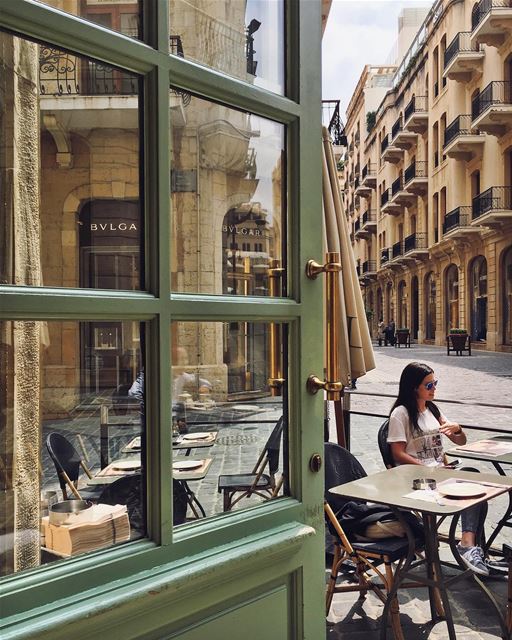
(403, 336)
(458, 338)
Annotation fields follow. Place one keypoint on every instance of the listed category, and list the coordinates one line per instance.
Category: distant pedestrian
(390, 332)
(381, 332)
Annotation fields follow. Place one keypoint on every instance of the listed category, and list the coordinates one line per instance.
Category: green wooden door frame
(130, 588)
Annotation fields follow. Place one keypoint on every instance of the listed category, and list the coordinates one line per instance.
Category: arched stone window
(506, 287)
(430, 306)
(478, 298)
(452, 297)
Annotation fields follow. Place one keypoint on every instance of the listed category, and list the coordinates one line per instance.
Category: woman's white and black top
(424, 444)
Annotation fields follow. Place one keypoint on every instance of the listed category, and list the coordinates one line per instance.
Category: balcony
(461, 140)
(384, 257)
(457, 224)
(389, 151)
(491, 22)
(492, 206)
(387, 206)
(491, 109)
(463, 58)
(399, 196)
(357, 227)
(402, 138)
(415, 247)
(368, 270)
(397, 252)
(368, 222)
(416, 178)
(416, 115)
(369, 176)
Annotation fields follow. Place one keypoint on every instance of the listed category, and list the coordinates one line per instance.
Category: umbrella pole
(342, 425)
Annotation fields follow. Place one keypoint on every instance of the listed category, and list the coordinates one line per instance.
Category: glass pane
(229, 416)
(70, 149)
(228, 185)
(124, 16)
(243, 38)
(69, 410)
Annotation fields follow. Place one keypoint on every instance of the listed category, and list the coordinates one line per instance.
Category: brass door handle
(331, 268)
(276, 379)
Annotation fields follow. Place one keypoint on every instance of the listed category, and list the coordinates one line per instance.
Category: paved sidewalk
(485, 377)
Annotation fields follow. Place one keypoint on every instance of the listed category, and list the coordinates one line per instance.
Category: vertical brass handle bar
(276, 378)
(331, 268)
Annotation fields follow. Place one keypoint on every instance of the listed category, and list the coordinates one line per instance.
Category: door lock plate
(315, 462)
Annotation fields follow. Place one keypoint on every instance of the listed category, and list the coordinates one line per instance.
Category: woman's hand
(453, 431)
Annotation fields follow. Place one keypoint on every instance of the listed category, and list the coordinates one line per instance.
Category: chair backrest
(340, 467)
(273, 446)
(385, 449)
(128, 490)
(65, 458)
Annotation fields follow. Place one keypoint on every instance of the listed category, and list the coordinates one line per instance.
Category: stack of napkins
(100, 526)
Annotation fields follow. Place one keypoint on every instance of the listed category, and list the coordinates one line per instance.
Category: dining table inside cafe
(450, 493)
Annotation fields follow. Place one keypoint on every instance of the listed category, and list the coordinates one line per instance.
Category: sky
(358, 32)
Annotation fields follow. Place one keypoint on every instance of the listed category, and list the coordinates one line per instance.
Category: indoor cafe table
(496, 450)
(393, 488)
(183, 471)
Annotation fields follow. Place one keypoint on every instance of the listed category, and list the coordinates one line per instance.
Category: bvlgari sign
(113, 226)
(232, 229)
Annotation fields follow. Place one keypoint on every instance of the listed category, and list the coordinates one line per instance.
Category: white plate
(196, 436)
(181, 465)
(461, 489)
(126, 465)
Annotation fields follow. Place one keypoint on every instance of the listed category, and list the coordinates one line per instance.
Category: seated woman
(414, 435)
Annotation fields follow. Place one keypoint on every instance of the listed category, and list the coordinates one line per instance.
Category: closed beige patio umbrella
(355, 351)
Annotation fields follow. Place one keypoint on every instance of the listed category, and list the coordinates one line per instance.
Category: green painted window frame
(158, 308)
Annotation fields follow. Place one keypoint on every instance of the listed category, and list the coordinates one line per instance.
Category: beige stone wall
(452, 177)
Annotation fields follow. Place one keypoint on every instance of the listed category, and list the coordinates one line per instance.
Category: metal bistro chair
(68, 464)
(384, 448)
(364, 558)
(256, 483)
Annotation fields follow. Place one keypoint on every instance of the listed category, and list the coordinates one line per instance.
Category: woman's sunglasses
(431, 385)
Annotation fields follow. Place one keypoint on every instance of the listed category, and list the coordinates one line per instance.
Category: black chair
(128, 491)
(384, 448)
(256, 483)
(364, 558)
(68, 464)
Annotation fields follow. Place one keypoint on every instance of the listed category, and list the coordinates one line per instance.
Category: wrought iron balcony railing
(368, 216)
(369, 266)
(384, 144)
(497, 92)
(396, 186)
(461, 43)
(418, 104)
(492, 199)
(415, 241)
(331, 111)
(482, 8)
(368, 170)
(356, 182)
(357, 225)
(459, 217)
(396, 128)
(397, 249)
(461, 126)
(384, 198)
(384, 256)
(417, 169)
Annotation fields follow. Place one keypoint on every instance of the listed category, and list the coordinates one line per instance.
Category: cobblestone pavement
(486, 378)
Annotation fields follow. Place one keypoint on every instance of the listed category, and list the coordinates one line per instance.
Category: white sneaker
(473, 558)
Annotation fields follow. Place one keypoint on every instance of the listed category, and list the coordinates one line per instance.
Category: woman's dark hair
(411, 378)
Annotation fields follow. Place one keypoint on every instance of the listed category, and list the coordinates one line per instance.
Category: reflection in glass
(70, 140)
(124, 17)
(243, 38)
(228, 199)
(71, 430)
(226, 420)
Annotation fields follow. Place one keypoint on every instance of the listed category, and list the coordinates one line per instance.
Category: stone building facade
(427, 180)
